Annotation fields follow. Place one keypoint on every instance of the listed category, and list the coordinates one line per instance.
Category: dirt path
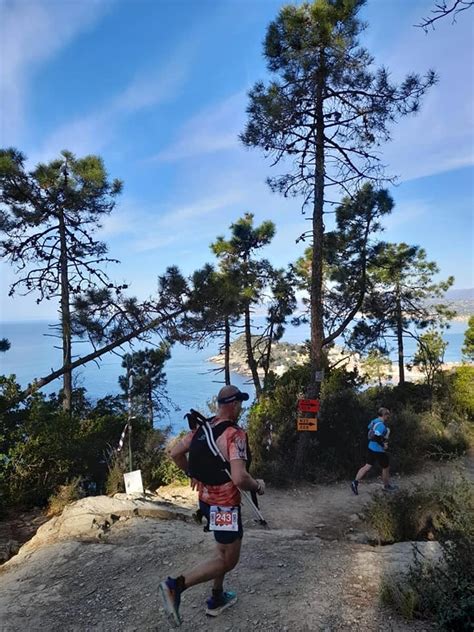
(301, 574)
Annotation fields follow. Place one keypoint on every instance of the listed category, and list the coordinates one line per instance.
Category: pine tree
(429, 356)
(148, 383)
(323, 118)
(468, 348)
(4, 345)
(221, 307)
(376, 366)
(349, 252)
(251, 275)
(402, 301)
(49, 217)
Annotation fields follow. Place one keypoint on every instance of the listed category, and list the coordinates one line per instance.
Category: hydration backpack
(203, 465)
(371, 436)
(208, 465)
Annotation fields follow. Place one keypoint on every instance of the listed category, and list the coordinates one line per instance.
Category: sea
(191, 379)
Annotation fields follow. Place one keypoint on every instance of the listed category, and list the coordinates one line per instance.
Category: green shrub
(402, 598)
(442, 437)
(442, 591)
(41, 448)
(165, 470)
(342, 434)
(282, 454)
(45, 457)
(463, 390)
(451, 443)
(454, 394)
(278, 453)
(406, 515)
(412, 395)
(420, 512)
(168, 472)
(65, 495)
(115, 483)
(149, 455)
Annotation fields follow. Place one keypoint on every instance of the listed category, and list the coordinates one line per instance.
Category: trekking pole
(257, 511)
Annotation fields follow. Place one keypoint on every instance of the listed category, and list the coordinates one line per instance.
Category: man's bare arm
(242, 479)
(178, 452)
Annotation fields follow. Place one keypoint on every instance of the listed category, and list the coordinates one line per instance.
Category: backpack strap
(376, 423)
(380, 439)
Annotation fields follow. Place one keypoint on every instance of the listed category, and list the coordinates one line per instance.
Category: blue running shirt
(380, 429)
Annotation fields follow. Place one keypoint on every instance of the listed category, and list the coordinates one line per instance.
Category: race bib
(223, 518)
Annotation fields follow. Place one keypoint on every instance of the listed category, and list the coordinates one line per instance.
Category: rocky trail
(97, 567)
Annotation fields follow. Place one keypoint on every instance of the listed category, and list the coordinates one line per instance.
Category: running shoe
(171, 597)
(355, 487)
(390, 488)
(217, 605)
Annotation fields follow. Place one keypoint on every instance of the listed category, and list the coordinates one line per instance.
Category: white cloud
(214, 129)
(159, 86)
(181, 222)
(82, 136)
(30, 34)
(199, 209)
(154, 226)
(441, 136)
(93, 132)
(405, 213)
(121, 221)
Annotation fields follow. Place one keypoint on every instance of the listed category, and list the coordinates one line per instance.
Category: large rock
(89, 518)
(399, 557)
(393, 560)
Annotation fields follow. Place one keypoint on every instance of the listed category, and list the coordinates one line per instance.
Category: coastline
(239, 365)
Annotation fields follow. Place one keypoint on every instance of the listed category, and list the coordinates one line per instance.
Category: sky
(158, 88)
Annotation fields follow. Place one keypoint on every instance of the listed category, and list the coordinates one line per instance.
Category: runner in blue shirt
(378, 433)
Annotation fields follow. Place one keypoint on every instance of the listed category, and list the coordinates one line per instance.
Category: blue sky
(158, 88)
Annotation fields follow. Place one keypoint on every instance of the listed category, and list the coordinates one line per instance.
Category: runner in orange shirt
(219, 501)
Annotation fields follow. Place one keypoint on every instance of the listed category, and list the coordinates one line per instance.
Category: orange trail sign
(307, 423)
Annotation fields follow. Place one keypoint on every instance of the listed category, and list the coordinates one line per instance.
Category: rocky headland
(285, 355)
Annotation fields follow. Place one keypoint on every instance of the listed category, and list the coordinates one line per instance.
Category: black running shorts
(377, 457)
(223, 537)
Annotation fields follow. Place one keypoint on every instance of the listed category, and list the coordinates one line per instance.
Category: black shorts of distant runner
(223, 537)
(377, 457)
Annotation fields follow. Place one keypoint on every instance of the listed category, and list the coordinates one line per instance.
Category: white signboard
(319, 376)
(133, 482)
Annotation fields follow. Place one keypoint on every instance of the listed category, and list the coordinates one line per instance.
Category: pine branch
(442, 10)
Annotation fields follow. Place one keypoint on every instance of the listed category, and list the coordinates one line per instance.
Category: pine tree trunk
(227, 351)
(317, 328)
(316, 297)
(65, 314)
(150, 402)
(250, 355)
(268, 356)
(401, 358)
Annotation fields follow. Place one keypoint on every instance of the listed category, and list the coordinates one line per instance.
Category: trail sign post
(307, 415)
